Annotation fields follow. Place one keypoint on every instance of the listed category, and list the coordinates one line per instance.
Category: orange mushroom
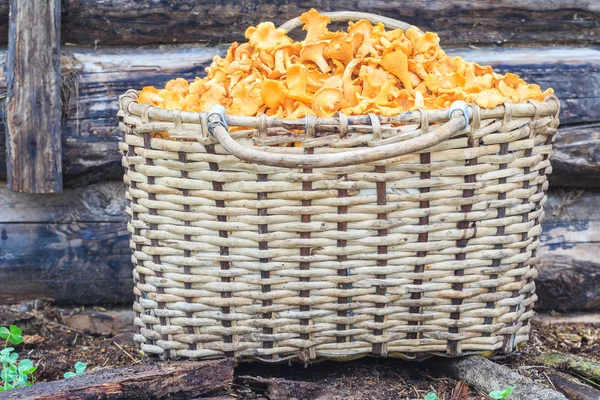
(348, 85)
(314, 53)
(266, 37)
(396, 63)
(215, 95)
(488, 98)
(315, 25)
(296, 81)
(365, 69)
(178, 85)
(340, 48)
(147, 94)
(273, 93)
(246, 99)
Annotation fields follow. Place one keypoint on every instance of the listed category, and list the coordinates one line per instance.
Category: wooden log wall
(75, 245)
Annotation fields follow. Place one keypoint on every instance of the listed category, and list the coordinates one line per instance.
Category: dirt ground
(54, 343)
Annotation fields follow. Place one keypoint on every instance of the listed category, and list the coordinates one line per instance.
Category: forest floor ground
(102, 338)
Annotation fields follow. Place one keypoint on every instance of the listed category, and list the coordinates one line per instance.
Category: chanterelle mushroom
(362, 70)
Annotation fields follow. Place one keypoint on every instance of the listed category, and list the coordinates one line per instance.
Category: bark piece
(460, 392)
(488, 376)
(108, 323)
(33, 97)
(176, 380)
(573, 390)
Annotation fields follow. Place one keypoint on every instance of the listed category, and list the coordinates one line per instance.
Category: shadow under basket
(335, 238)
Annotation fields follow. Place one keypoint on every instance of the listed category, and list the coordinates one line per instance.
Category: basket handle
(340, 16)
(217, 127)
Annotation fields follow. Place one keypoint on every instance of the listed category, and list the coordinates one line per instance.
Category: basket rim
(128, 104)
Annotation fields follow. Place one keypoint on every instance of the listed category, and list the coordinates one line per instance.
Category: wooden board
(100, 202)
(78, 263)
(127, 22)
(569, 258)
(33, 123)
(72, 247)
(576, 156)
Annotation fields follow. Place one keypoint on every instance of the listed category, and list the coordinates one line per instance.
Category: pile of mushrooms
(367, 69)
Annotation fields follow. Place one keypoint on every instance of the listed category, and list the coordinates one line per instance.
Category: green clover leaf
(431, 396)
(4, 332)
(15, 335)
(502, 394)
(25, 365)
(80, 367)
(69, 374)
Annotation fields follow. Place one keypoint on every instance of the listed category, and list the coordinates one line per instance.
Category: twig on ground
(127, 353)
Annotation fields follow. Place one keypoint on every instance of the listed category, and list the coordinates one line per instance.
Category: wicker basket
(402, 236)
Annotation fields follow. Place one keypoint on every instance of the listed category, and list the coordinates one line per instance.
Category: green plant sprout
(79, 370)
(14, 375)
(431, 396)
(502, 394)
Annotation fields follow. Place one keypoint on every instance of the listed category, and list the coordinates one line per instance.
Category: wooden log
(487, 376)
(33, 97)
(576, 157)
(99, 202)
(75, 263)
(573, 389)
(176, 380)
(72, 247)
(569, 262)
(127, 22)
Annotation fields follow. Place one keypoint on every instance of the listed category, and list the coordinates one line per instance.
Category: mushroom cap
(265, 36)
(327, 101)
(314, 52)
(315, 25)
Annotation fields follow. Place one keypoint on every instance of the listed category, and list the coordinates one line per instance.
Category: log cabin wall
(73, 247)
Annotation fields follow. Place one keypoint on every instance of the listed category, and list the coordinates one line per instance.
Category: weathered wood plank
(81, 263)
(179, 380)
(99, 202)
(479, 22)
(569, 257)
(33, 97)
(576, 156)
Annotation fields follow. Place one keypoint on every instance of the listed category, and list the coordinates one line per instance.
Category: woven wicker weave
(400, 236)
